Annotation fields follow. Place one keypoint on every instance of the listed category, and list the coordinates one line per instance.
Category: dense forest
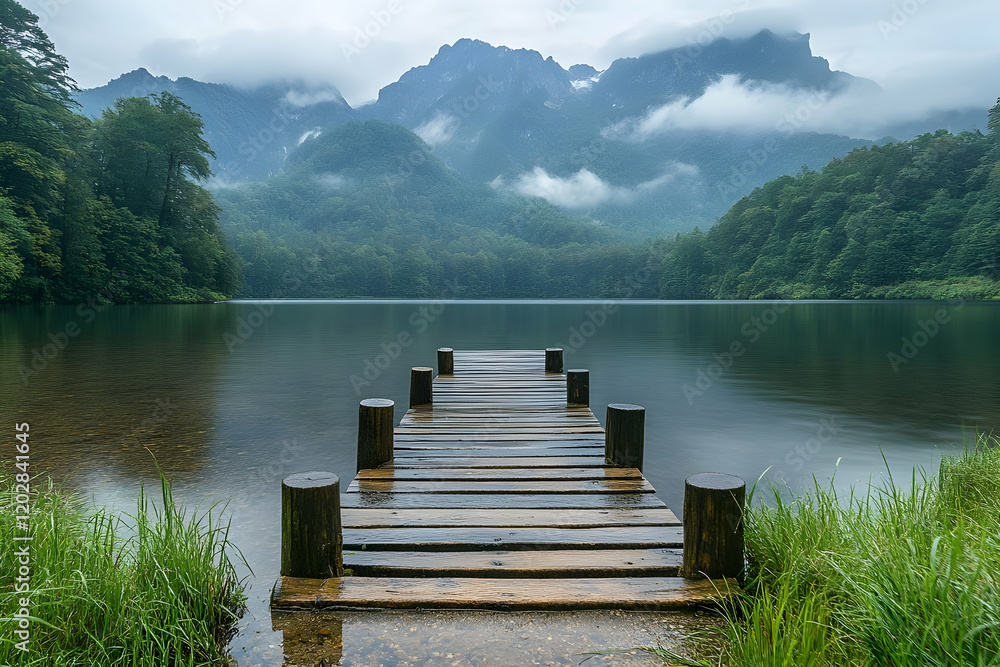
(365, 209)
(915, 219)
(105, 210)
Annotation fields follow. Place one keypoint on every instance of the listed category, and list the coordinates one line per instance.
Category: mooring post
(578, 388)
(553, 360)
(312, 539)
(421, 381)
(374, 433)
(625, 435)
(713, 526)
(446, 361)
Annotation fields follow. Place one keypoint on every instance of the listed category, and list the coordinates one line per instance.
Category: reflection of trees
(135, 377)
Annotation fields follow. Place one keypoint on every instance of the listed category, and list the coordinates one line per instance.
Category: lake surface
(232, 397)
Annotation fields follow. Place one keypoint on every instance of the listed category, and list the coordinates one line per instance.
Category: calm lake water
(232, 397)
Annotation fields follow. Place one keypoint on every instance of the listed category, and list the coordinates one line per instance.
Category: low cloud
(729, 104)
(585, 190)
(332, 181)
(439, 129)
(299, 98)
(310, 134)
(860, 109)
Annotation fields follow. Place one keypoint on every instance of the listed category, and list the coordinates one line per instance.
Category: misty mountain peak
(577, 72)
(471, 81)
(634, 84)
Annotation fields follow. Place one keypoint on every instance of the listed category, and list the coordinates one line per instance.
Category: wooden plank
(517, 437)
(497, 474)
(493, 420)
(537, 518)
(487, 410)
(511, 500)
(602, 486)
(516, 564)
(500, 432)
(474, 453)
(496, 462)
(640, 593)
(422, 442)
(512, 538)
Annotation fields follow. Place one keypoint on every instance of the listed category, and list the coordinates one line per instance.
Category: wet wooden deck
(499, 497)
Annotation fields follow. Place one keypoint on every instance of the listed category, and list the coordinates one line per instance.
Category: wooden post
(625, 434)
(553, 360)
(578, 387)
(713, 525)
(312, 540)
(374, 433)
(421, 381)
(446, 361)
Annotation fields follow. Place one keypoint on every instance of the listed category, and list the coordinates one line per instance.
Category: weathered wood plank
(497, 474)
(502, 432)
(503, 487)
(556, 447)
(509, 500)
(475, 453)
(496, 462)
(518, 437)
(647, 593)
(537, 518)
(513, 538)
(511, 564)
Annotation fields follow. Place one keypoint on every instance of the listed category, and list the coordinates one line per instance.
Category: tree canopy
(915, 219)
(106, 209)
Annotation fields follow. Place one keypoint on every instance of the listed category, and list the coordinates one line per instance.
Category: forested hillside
(103, 210)
(916, 219)
(366, 210)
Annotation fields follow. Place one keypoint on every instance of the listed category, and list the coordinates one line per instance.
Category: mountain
(631, 146)
(470, 81)
(251, 131)
(366, 210)
(632, 85)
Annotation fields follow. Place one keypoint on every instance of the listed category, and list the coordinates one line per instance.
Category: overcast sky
(935, 52)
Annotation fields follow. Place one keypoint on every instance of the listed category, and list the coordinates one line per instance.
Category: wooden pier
(499, 489)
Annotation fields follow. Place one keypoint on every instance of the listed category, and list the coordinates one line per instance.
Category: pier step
(643, 593)
(564, 563)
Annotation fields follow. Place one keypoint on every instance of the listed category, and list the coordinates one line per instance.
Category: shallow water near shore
(466, 638)
(231, 397)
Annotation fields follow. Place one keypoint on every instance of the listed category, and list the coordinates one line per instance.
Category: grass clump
(891, 577)
(155, 589)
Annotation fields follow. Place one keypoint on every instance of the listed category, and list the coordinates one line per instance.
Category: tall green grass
(890, 577)
(153, 589)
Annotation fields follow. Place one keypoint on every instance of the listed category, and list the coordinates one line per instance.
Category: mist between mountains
(441, 128)
(786, 126)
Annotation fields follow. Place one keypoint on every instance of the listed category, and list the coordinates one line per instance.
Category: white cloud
(310, 134)
(301, 98)
(332, 181)
(860, 110)
(585, 190)
(439, 129)
(729, 104)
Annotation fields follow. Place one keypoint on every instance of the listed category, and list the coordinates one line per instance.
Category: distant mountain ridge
(251, 131)
(521, 121)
